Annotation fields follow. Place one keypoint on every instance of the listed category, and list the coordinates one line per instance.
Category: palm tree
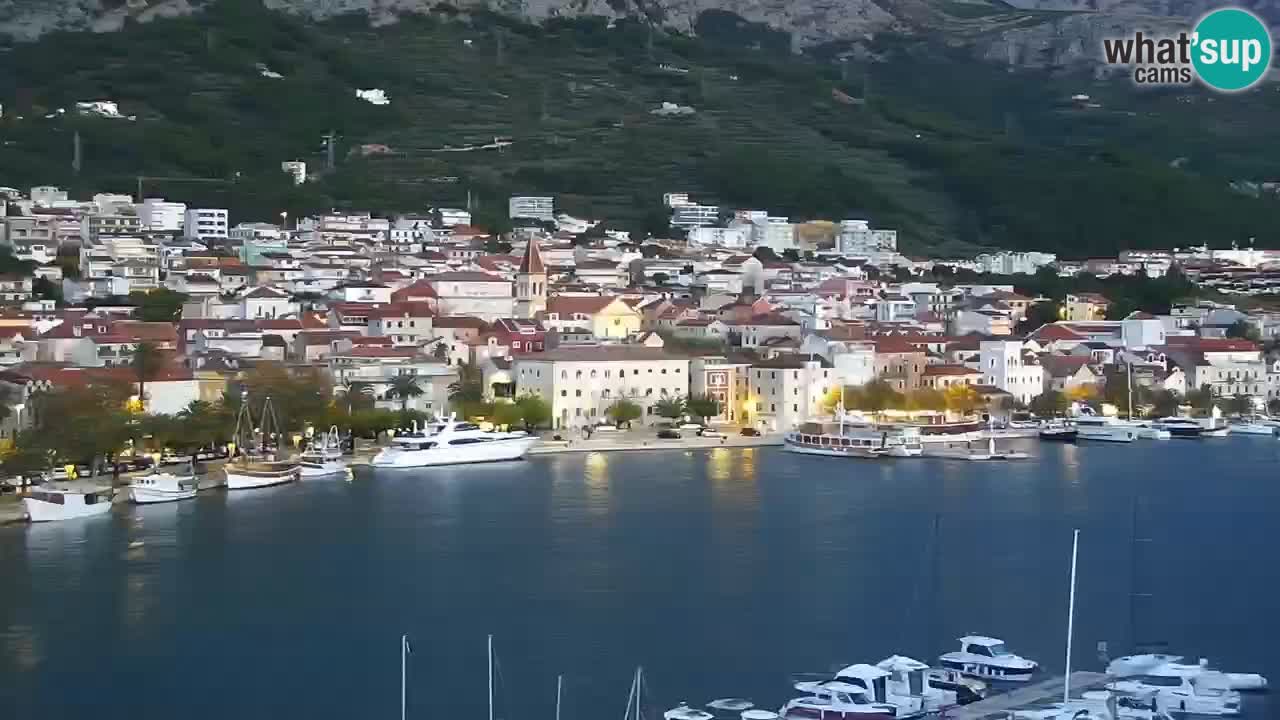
(404, 387)
(469, 387)
(146, 363)
(357, 393)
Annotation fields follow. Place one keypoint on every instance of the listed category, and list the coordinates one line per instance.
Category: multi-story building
(581, 383)
(730, 237)
(158, 215)
(358, 228)
(786, 391)
(478, 294)
(687, 214)
(1014, 263)
(531, 207)
(205, 224)
(725, 381)
(377, 368)
(899, 363)
(1007, 366)
(774, 232)
(858, 238)
(605, 316)
(406, 323)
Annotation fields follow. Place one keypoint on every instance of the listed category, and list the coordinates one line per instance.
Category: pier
(999, 706)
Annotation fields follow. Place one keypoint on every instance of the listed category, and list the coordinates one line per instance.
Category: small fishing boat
(1062, 432)
(255, 465)
(988, 658)
(323, 458)
(51, 503)
(160, 487)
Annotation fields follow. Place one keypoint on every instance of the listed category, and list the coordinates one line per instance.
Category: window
(795, 408)
(773, 408)
(759, 407)
(577, 393)
(606, 373)
(773, 375)
(564, 393)
(593, 374)
(577, 412)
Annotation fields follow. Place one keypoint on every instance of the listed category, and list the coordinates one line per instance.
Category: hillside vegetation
(954, 153)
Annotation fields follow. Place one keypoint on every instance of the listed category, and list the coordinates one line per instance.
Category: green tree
(159, 305)
(1164, 403)
(703, 406)
(357, 395)
(1273, 406)
(404, 387)
(147, 362)
(507, 414)
(440, 351)
(670, 407)
(88, 423)
(298, 396)
(1239, 405)
(469, 387)
(963, 399)
(534, 411)
(1200, 398)
(1050, 403)
(875, 397)
(204, 425)
(926, 399)
(623, 412)
(1041, 313)
(1244, 330)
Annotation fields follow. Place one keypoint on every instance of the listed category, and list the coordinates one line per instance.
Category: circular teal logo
(1231, 49)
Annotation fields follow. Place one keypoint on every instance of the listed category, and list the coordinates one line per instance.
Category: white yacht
(1094, 705)
(910, 678)
(873, 683)
(449, 442)
(51, 503)
(1131, 665)
(987, 657)
(1147, 430)
(835, 701)
(1254, 426)
(1105, 429)
(967, 689)
(1205, 693)
(862, 440)
(162, 487)
(323, 458)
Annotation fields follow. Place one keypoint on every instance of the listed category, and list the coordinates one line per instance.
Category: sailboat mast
(1129, 385)
(559, 684)
(1071, 616)
(490, 677)
(631, 696)
(404, 652)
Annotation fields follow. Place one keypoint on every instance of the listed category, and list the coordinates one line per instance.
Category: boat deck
(998, 706)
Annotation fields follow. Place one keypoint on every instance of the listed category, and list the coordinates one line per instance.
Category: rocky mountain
(1036, 33)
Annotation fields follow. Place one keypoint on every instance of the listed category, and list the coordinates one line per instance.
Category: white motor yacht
(323, 458)
(1131, 665)
(873, 682)
(52, 503)
(1093, 705)
(449, 442)
(967, 689)
(1204, 693)
(988, 658)
(1148, 431)
(835, 701)
(862, 440)
(1254, 426)
(909, 678)
(162, 487)
(1104, 429)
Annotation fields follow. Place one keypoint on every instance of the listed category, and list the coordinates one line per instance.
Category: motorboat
(1131, 665)
(1062, 432)
(992, 454)
(51, 503)
(1148, 431)
(1254, 426)
(160, 487)
(734, 705)
(1206, 692)
(450, 442)
(910, 678)
(835, 701)
(873, 683)
(684, 712)
(988, 658)
(1181, 427)
(323, 458)
(1104, 429)
(1093, 705)
(254, 464)
(859, 440)
(967, 689)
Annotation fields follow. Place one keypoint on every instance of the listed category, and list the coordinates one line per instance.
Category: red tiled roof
(1055, 331)
(324, 337)
(459, 321)
(161, 332)
(531, 263)
(1064, 365)
(572, 305)
(379, 352)
(465, 276)
(403, 309)
(950, 370)
(771, 319)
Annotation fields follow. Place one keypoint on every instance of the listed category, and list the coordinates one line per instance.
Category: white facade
(47, 195)
(730, 237)
(783, 394)
(858, 238)
(691, 215)
(451, 217)
(1014, 263)
(531, 207)
(775, 232)
(157, 215)
(581, 383)
(203, 223)
(1003, 366)
(295, 169)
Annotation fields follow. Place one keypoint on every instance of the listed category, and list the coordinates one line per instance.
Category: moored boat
(835, 701)
(1104, 429)
(988, 658)
(1254, 426)
(254, 465)
(1062, 432)
(1181, 427)
(450, 442)
(162, 487)
(861, 440)
(323, 458)
(50, 503)
(1131, 665)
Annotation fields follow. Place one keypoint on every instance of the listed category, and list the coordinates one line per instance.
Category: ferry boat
(254, 465)
(1130, 665)
(49, 503)
(449, 442)
(988, 658)
(323, 458)
(835, 701)
(1104, 429)
(162, 487)
(861, 440)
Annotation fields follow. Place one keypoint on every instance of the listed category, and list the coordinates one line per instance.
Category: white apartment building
(296, 169)
(857, 237)
(691, 215)
(451, 217)
(477, 294)
(1004, 365)
(47, 195)
(205, 223)
(531, 207)
(378, 366)
(774, 232)
(730, 237)
(112, 202)
(786, 391)
(581, 383)
(1014, 263)
(158, 215)
(361, 228)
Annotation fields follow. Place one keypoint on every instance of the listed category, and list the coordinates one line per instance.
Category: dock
(999, 706)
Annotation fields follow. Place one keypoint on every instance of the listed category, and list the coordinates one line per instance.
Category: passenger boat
(254, 465)
(160, 487)
(1130, 665)
(835, 701)
(449, 442)
(988, 658)
(1104, 429)
(51, 503)
(861, 440)
(323, 458)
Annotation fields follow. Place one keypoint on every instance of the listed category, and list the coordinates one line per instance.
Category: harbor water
(722, 572)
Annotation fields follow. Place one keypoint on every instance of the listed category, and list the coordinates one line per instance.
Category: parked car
(690, 426)
(668, 434)
(751, 432)
(709, 433)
